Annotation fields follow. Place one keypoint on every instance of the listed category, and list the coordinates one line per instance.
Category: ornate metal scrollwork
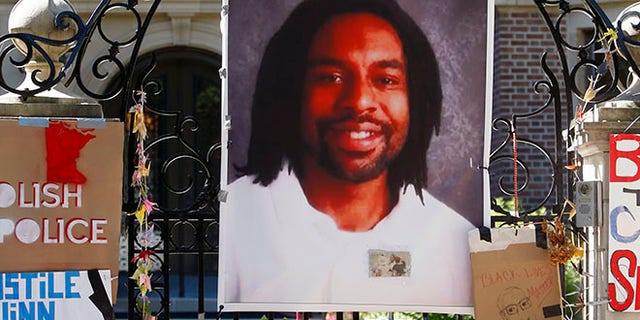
(73, 62)
(608, 77)
(506, 151)
(32, 45)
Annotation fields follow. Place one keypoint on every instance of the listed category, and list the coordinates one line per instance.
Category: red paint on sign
(64, 142)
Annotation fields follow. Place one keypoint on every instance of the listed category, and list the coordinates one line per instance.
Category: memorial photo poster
(356, 134)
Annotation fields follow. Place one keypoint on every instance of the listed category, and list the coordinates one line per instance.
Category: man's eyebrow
(324, 62)
(384, 64)
(392, 64)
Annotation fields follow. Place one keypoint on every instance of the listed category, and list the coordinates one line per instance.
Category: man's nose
(358, 97)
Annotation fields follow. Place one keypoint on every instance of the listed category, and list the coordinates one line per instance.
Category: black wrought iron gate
(182, 117)
(185, 153)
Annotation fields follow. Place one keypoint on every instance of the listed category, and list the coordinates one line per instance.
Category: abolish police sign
(56, 295)
(624, 222)
(60, 194)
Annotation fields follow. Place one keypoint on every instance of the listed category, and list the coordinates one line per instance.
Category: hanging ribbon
(145, 206)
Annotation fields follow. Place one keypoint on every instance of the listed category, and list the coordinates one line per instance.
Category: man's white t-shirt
(281, 250)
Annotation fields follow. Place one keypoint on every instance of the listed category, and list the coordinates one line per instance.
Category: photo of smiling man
(330, 208)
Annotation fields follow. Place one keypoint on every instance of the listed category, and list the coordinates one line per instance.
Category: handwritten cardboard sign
(512, 277)
(624, 227)
(56, 295)
(60, 195)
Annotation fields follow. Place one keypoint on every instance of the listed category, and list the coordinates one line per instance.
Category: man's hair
(275, 118)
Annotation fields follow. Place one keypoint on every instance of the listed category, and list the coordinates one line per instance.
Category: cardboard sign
(60, 195)
(512, 277)
(56, 295)
(624, 226)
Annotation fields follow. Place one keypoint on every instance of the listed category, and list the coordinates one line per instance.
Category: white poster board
(298, 160)
(56, 295)
(624, 222)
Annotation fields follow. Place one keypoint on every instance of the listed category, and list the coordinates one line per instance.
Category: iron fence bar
(201, 242)
(129, 205)
(131, 292)
(560, 160)
(166, 268)
(136, 50)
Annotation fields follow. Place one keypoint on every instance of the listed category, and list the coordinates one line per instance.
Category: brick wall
(521, 37)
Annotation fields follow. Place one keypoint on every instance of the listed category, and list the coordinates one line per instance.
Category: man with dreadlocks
(347, 98)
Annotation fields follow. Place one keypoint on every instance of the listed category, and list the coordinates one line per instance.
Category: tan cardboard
(90, 222)
(513, 278)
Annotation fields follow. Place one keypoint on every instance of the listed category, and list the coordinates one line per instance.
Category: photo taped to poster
(356, 130)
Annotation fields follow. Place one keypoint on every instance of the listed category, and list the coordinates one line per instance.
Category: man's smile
(355, 137)
(360, 134)
(352, 141)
